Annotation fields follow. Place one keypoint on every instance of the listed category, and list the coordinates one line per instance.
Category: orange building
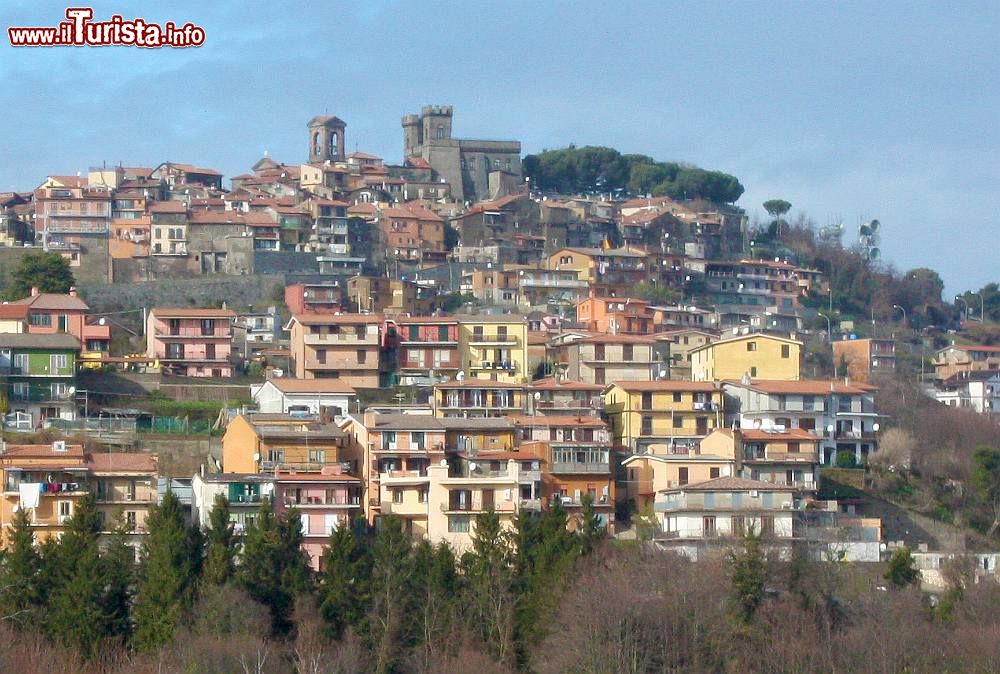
(615, 315)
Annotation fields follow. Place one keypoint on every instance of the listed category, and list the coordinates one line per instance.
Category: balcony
(478, 339)
(854, 435)
(313, 364)
(345, 338)
(504, 365)
(189, 333)
(310, 502)
(478, 507)
(575, 467)
(552, 283)
(534, 504)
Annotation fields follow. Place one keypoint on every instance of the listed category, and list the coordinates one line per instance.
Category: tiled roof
(182, 312)
(550, 384)
(170, 206)
(793, 434)
(121, 462)
(40, 451)
(334, 319)
(35, 341)
(804, 387)
(666, 385)
(556, 420)
(13, 311)
(54, 301)
(616, 339)
(478, 383)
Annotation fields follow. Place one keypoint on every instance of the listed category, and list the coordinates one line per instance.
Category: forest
(536, 598)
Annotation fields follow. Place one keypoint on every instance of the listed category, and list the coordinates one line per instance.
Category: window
(458, 524)
(753, 371)
(317, 456)
(207, 326)
(708, 525)
(739, 525)
(65, 509)
(627, 352)
(175, 351)
(35, 318)
(442, 333)
(424, 494)
(599, 352)
(793, 448)
(59, 390)
(751, 346)
(397, 495)
(599, 375)
(321, 356)
(130, 520)
(57, 362)
(496, 164)
(21, 390)
(678, 396)
(362, 356)
(767, 525)
(647, 425)
(678, 421)
(359, 331)
(210, 352)
(647, 401)
(276, 455)
(682, 475)
(785, 351)
(418, 438)
(713, 473)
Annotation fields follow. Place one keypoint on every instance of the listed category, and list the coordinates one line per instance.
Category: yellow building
(273, 442)
(494, 347)
(756, 355)
(478, 398)
(661, 468)
(676, 413)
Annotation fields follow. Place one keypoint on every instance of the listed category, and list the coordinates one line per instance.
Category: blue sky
(850, 111)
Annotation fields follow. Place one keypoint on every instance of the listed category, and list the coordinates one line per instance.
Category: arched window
(317, 146)
(332, 149)
(440, 131)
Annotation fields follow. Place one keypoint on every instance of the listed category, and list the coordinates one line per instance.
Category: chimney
(34, 291)
(72, 291)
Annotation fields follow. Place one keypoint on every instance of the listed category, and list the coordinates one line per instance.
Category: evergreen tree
(273, 569)
(748, 570)
(902, 569)
(390, 618)
(19, 576)
(220, 544)
(592, 531)
(344, 584)
(118, 572)
(48, 271)
(167, 575)
(436, 586)
(489, 569)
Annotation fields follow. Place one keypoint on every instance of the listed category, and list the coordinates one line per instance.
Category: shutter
(305, 524)
(331, 523)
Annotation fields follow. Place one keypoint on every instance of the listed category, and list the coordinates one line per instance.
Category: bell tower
(326, 139)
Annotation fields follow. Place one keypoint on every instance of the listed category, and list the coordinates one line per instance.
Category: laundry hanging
(28, 492)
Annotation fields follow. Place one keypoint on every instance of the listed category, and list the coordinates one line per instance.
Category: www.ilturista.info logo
(81, 31)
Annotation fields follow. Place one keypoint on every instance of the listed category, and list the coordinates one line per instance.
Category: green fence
(175, 425)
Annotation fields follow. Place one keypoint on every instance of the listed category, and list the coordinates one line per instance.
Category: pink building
(191, 342)
(325, 501)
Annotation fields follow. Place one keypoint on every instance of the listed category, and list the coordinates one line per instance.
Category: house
(755, 285)
(38, 377)
(789, 457)
(242, 491)
(325, 500)
(494, 347)
(676, 413)
(863, 359)
(191, 342)
(409, 232)
(320, 297)
(756, 355)
(556, 395)
(977, 390)
(125, 488)
(603, 359)
(681, 344)
(52, 313)
(13, 318)
(280, 442)
(957, 358)
(428, 349)
(669, 466)
(346, 347)
(841, 415)
(607, 271)
(257, 330)
(478, 398)
(282, 395)
(615, 315)
(697, 515)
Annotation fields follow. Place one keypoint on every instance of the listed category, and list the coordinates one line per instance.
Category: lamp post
(959, 298)
(829, 329)
(896, 306)
(982, 305)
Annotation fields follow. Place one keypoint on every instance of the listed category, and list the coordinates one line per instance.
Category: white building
(243, 491)
(841, 415)
(978, 391)
(305, 396)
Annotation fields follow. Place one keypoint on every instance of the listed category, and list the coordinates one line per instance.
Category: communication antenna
(869, 239)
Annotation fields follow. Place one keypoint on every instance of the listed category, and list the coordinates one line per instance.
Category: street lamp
(896, 306)
(982, 305)
(829, 329)
(959, 298)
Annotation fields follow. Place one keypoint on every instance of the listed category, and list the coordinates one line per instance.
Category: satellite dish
(102, 321)
(256, 456)
(460, 376)
(874, 253)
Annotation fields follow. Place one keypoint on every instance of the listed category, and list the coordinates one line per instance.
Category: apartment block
(673, 413)
(864, 359)
(273, 443)
(755, 355)
(38, 377)
(478, 398)
(428, 349)
(605, 359)
(494, 348)
(346, 347)
(325, 501)
(560, 396)
(191, 342)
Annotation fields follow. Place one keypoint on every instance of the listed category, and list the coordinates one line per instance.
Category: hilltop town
(462, 349)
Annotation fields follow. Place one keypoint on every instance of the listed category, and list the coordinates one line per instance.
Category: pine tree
(19, 576)
(220, 547)
(344, 583)
(118, 572)
(167, 575)
(390, 618)
(273, 569)
(592, 530)
(748, 569)
(489, 568)
(436, 586)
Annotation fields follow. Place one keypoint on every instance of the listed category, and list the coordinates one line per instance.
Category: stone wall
(238, 292)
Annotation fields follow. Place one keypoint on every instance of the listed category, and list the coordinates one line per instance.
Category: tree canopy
(575, 170)
(49, 272)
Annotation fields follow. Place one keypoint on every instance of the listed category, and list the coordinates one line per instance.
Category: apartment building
(319, 297)
(674, 413)
(757, 284)
(274, 443)
(789, 457)
(346, 347)
(842, 416)
(494, 348)
(243, 492)
(38, 377)
(959, 358)
(978, 391)
(125, 488)
(71, 216)
(670, 466)
(681, 344)
(478, 398)
(191, 342)
(325, 500)
(605, 359)
(428, 349)
(615, 315)
(52, 313)
(861, 360)
(559, 396)
(754, 355)
(606, 271)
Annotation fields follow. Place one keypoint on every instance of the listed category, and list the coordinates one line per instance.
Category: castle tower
(436, 123)
(326, 139)
(412, 136)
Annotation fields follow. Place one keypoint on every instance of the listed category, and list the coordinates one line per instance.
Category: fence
(175, 425)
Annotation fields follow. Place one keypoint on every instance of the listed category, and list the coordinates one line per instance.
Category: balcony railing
(479, 339)
(575, 467)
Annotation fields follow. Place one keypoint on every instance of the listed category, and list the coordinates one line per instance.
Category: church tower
(326, 139)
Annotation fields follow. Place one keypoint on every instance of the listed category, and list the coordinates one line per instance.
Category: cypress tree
(220, 545)
(118, 571)
(390, 619)
(167, 575)
(436, 586)
(19, 575)
(592, 531)
(489, 568)
(344, 582)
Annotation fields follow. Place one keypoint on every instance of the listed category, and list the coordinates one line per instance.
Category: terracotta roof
(13, 311)
(731, 484)
(550, 384)
(415, 212)
(54, 301)
(804, 387)
(611, 252)
(191, 168)
(426, 319)
(70, 181)
(311, 386)
(556, 420)
(406, 422)
(182, 312)
(417, 162)
(971, 347)
(362, 155)
(334, 319)
(36, 341)
(538, 338)
(501, 202)
(665, 385)
(616, 339)
(40, 451)
(789, 434)
(121, 462)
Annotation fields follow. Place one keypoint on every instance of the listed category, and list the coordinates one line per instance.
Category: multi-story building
(673, 413)
(615, 315)
(756, 284)
(754, 355)
(697, 515)
(542, 287)
(978, 391)
(73, 218)
(428, 349)
(394, 297)
(13, 318)
(409, 232)
(864, 359)
(473, 169)
(275, 443)
(958, 358)
(191, 342)
(842, 416)
(283, 395)
(682, 343)
(330, 226)
(346, 347)
(38, 377)
(256, 330)
(51, 313)
(560, 396)
(643, 476)
(603, 359)
(493, 286)
(244, 493)
(319, 297)
(478, 398)
(325, 501)
(789, 457)
(494, 347)
(125, 488)
(607, 271)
